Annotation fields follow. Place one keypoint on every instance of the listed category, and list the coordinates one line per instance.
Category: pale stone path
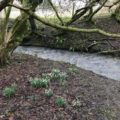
(105, 66)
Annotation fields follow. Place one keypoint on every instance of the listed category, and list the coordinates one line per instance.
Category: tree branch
(66, 28)
(96, 11)
(56, 12)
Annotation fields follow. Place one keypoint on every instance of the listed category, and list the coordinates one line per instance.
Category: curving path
(105, 66)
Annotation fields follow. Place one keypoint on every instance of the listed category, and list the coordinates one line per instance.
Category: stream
(102, 65)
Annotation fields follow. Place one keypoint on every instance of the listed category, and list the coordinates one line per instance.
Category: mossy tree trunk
(9, 40)
(4, 56)
(6, 50)
(34, 4)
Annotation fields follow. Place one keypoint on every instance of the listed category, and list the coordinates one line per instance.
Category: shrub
(9, 91)
(61, 102)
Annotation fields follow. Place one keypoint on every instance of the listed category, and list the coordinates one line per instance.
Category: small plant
(73, 70)
(55, 74)
(76, 103)
(60, 40)
(48, 93)
(9, 91)
(39, 82)
(61, 102)
(62, 78)
(71, 49)
(46, 76)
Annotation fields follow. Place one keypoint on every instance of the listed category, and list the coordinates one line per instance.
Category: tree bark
(3, 4)
(12, 38)
(4, 56)
(34, 4)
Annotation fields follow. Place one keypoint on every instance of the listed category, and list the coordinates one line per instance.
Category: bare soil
(99, 96)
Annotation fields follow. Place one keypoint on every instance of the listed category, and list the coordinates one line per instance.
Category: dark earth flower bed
(85, 95)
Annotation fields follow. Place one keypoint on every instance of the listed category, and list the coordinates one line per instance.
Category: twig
(109, 51)
(56, 12)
